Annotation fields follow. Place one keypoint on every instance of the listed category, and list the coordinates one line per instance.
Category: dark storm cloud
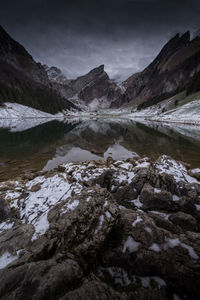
(77, 35)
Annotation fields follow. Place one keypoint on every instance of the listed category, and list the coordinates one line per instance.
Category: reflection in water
(76, 153)
(53, 143)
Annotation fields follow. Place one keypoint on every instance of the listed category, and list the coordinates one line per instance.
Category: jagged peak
(177, 41)
(99, 69)
(185, 37)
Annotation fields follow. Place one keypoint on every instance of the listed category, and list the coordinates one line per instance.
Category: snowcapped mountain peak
(55, 75)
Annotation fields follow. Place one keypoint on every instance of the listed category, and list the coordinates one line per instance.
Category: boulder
(84, 229)
(49, 279)
(161, 200)
(184, 221)
(94, 289)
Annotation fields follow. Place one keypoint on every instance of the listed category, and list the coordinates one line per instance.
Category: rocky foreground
(102, 230)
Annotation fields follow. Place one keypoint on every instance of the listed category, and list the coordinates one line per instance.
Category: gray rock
(4, 210)
(87, 231)
(152, 200)
(48, 279)
(84, 229)
(16, 238)
(164, 223)
(185, 221)
(94, 289)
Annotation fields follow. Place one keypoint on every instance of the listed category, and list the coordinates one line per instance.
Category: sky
(77, 36)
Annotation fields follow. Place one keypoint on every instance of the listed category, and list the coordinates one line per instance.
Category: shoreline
(19, 113)
(90, 117)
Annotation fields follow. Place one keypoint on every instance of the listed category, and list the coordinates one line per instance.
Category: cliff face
(170, 72)
(15, 55)
(95, 86)
(24, 81)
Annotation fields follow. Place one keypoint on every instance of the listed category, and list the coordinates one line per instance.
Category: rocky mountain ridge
(24, 81)
(27, 82)
(92, 91)
(14, 54)
(55, 75)
(176, 68)
(171, 71)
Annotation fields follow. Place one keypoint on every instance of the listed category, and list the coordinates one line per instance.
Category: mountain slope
(91, 91)
(171, 72)
(24, 81)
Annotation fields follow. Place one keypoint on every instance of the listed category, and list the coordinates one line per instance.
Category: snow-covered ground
(19, 117)
(188, 114)
(18, 111)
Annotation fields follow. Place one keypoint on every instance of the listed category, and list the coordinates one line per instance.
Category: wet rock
(185, 221)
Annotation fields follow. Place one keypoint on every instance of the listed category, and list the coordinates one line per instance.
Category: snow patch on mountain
(188, 113)
(18, 117)
(55, 75)
(18, 111)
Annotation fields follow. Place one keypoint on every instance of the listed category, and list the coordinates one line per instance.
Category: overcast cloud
(77, 36)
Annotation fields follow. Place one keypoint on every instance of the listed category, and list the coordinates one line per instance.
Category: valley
(100, 179)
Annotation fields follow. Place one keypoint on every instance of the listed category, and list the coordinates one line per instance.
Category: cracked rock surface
(102, 230)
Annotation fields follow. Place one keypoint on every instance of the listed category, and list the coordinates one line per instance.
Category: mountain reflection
(56, 142)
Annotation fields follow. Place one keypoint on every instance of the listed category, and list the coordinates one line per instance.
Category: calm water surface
(47, 145)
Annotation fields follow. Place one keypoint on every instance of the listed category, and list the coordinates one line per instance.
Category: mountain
(55, 75)
(92, 91)
(24, 81)
(175, 68)
(196, 33)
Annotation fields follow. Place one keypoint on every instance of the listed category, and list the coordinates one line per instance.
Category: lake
(47, 145)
